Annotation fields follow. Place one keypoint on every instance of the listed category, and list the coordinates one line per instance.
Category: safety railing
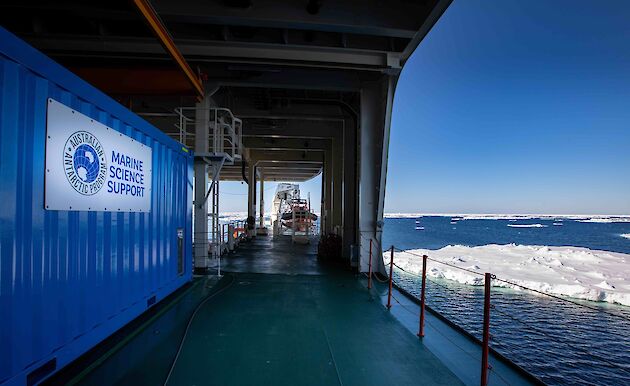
(492, 302)
(218, 241)
(225, 130)
(226, 133)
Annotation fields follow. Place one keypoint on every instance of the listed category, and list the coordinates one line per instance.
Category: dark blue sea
(559, 342)
(439, 232)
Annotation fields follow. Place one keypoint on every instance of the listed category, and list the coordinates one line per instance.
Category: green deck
(283, 320)
(302, 330)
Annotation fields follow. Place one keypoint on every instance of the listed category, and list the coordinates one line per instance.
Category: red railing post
(391, 279)
(422, 295)
(486, 330)
(370, 267)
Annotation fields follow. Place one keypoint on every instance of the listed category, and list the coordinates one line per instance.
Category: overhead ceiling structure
(312, 80)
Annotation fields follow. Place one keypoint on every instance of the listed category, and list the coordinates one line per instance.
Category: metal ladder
(225, 146)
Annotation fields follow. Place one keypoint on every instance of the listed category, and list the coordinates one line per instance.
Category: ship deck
(280, 318)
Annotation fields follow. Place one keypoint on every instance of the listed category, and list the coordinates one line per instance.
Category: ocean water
(439, 232)
(559, 342)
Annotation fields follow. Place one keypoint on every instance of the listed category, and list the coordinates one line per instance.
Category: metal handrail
(225, 129)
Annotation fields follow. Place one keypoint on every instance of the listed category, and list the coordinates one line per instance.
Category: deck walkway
(283, 320)
(303, 330)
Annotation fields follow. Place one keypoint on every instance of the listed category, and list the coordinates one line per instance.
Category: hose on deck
(190, 320)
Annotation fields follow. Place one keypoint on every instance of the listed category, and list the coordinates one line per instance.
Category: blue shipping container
(69, 279)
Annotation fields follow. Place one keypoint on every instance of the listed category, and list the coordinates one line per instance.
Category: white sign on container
(92, 167)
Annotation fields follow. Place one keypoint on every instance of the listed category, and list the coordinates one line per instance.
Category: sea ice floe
(516, 217)
(566, 271)
(605, 220)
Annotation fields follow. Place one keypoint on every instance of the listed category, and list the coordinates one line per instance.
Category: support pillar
(376, 106)
(326, 207)
(350, 183)
(261, 218)
(200, 207)
(322, 207)
(251, 198)
(337, 184)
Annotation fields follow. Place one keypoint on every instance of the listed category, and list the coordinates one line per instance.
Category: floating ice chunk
(625, 235)
(527, 225)
(555, 262)
(605, 285)
(605, 220)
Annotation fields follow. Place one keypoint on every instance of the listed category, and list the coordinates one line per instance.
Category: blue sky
(516, 107)
(510, 106)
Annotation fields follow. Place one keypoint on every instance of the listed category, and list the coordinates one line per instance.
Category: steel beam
(217, 51)
(265, 143)
(152, 18)
(311, 156)
(306, 129)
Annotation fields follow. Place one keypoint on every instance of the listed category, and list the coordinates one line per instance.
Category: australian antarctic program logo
(85, 163)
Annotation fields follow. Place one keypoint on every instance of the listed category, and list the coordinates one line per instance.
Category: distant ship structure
(292, 214)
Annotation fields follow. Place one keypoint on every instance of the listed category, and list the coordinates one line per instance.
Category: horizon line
(510, 214)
